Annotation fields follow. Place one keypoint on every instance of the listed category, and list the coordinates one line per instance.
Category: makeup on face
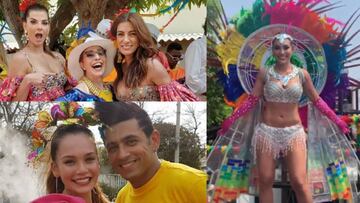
(92, 54)
(282, 48)
(37, 27)
(127, 39)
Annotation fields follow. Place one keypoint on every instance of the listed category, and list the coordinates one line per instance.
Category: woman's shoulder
(83, 87)
(19, 56)
(59, 57)
(263, 71)
(157, 72)
(155, 66)
(19, 64)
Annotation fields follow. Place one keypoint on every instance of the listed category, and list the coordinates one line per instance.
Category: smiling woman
(89, 63)
(74, 166)
(140, 74)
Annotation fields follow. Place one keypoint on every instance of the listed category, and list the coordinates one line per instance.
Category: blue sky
(232, 7)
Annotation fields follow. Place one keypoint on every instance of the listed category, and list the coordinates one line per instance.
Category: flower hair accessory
(24, 5)
(45, 125)
(282, 37)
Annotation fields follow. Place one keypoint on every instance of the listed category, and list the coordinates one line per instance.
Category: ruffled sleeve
(8, 88)
(175, 92)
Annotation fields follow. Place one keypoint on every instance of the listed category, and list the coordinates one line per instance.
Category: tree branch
(63, 16)
(10, 10)
(90, 10)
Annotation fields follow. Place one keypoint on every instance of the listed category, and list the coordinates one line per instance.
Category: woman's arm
(309, 88)
(18, 67)
(320, 104)
(157, 73)
(248, 104)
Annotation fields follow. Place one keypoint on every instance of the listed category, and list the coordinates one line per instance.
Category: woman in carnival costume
(89, 63)
(278, 132)
(267, 124)
(72, 163)
(35, 73)
(140, 75)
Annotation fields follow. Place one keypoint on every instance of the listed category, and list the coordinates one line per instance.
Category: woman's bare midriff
(280, 115)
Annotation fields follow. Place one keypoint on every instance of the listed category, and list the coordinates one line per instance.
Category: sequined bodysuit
(275, 92)
(274, 140)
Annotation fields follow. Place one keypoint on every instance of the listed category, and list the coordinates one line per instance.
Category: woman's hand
(37, 79)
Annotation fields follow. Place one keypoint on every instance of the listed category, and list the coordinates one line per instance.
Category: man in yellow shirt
(132, 143)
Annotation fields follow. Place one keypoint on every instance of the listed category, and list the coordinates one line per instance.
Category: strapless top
(53, 88)
(144, 93)
(277, 90)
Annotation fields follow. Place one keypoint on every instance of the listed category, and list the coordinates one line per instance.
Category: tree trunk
(10, 10)
(90, 11)
(63, 16)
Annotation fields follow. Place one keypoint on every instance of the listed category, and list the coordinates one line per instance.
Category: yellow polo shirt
(172, 183)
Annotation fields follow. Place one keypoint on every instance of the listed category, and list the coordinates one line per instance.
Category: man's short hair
(174, 46)
(111, 113)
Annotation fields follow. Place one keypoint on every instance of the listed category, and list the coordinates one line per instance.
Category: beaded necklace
(104, 94)
(284, 79)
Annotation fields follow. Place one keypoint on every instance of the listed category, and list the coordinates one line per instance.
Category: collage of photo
(179, 101)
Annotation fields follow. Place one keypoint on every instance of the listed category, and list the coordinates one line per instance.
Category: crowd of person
(142, 71)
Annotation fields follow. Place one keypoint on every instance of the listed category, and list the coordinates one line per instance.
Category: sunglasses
(175, 58)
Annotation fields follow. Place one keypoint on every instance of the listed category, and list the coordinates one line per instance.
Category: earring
(25, 38)
(56, 185)
(47, 41)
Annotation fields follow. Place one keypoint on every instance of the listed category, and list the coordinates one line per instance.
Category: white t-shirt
(195, 64)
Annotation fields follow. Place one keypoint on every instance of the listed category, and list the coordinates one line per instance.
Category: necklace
(104, 94)
(284, 79)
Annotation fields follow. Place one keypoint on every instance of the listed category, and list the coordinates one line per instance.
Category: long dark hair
(62, 131)
(38, 7)
(138, 68)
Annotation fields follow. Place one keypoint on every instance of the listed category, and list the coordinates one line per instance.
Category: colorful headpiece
(45, 125)
(24, 5)
(282, 37)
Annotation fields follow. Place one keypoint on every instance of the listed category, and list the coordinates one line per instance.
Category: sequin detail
(53, 88)
(273, 92)
(145, 93)
(278, 141)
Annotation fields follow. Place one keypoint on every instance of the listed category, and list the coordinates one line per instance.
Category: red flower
(25, 4)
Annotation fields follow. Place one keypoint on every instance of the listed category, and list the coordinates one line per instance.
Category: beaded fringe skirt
(277, 141)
